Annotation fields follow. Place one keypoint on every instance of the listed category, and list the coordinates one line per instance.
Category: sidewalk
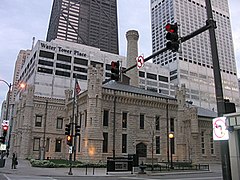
(25, 168)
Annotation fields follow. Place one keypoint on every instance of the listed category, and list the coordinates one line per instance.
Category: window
(157, 144)
(163, 78)
(141, 74)
(81, 61)
(47, 145)
(105, 117)
(124, 120)
(80, 120)
(105, 142)
(45, 70)
(62, 73)
(172, 124)
(63, 66)
(79, 143)
(141, 121)
(94, 63)
(38, 121)
(124, 143)
(64, 58)
(45, 63)
(58, 145)
(212, 144)
(59, 123)
(85, 112)
(151, 76)
(108, 67)
(79, 76)
(157, 123)
(202, 142)
(80, 69)
(46, 54)
(36, 144)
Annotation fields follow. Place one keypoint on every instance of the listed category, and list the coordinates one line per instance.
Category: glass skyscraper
(193, 65)
(89, 22)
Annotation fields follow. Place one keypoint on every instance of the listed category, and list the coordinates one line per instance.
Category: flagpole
(72, 128)
(75, 137)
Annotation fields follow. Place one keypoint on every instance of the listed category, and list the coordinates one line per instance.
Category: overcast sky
(21, 20)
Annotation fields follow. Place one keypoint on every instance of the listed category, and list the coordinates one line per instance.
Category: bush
(61, 163)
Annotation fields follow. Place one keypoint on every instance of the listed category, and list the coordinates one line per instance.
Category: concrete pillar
(132, 53)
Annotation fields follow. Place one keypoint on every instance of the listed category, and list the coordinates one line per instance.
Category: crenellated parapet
(139, 99)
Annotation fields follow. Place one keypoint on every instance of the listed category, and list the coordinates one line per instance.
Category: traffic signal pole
(72, 129)
(181, 40)
(211, 26)
(225, 157)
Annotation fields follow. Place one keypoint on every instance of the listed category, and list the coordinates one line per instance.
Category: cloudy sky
(21, 20)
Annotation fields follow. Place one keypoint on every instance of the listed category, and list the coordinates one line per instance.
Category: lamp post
(171, 136)
(22, 86)
(8, 96)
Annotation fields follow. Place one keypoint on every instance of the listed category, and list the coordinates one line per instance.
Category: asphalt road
(205, 176)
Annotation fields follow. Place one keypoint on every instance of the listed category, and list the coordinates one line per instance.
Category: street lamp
(171, 137)
(8, 96)
(22, 86)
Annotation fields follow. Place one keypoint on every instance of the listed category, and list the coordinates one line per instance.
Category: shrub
(57, 163)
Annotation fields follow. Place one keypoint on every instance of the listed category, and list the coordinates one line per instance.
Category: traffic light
(69, 140)
(67, 129)
(77, 130)
(115, 70)
(5, 129)
(172, 37)
(2, 139)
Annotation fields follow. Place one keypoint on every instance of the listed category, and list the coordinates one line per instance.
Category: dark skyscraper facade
(89, 22)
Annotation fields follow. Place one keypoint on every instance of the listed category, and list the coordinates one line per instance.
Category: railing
(177, 166)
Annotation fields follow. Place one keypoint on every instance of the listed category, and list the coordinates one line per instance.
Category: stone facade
(136, 132)
(35, 118)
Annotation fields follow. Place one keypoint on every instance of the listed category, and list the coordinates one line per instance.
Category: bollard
(93, 170)
(86, 170)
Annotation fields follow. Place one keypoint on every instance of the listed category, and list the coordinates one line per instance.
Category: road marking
(18, 177)
(200, 178)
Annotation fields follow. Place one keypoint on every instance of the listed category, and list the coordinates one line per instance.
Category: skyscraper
(89, 22)
(193, 66)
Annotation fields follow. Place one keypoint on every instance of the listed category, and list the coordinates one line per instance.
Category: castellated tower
(26, 111)
(92, 133)
(132, 53)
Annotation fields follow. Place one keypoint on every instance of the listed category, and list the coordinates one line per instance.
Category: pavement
(24, 168)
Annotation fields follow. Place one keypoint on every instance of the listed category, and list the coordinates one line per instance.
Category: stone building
(143, 119)
(38, 127)
(118, 119)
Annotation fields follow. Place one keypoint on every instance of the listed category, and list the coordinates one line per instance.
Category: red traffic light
(115, 64)
(172, 28)
(115, 70)
(5, 128)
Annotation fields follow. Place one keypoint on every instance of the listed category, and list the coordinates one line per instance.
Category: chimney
(132, 53)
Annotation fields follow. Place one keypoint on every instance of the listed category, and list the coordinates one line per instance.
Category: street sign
(140, 61)
(70, 149)
(220, 131)
(3, 147)
(5, 123)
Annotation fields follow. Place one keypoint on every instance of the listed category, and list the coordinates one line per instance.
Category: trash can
(2, 163)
